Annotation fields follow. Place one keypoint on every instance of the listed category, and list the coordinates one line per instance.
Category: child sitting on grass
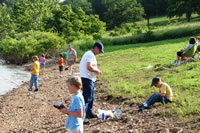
(76, 111)
(164, 95)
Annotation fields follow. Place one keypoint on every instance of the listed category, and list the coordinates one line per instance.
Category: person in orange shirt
(34, 73)
(60, 64)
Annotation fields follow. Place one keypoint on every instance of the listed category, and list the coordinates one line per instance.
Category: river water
(11, 76)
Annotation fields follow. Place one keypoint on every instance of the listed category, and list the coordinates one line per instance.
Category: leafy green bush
(23, 46)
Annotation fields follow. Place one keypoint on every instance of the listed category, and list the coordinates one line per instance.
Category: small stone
(20, 106)
(95, 131)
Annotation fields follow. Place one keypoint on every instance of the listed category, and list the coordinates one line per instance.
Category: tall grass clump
(154, 35)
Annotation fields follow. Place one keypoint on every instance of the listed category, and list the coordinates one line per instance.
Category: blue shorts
(60, 68)
(42, 64)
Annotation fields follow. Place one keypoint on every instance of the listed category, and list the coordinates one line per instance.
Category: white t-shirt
(84, 72)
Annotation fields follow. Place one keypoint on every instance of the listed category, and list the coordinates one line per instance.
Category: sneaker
(66, 68)
(91, 116)
(36, 90)
(173, 63)
(178, 64)
(140, 109)
(29, 89)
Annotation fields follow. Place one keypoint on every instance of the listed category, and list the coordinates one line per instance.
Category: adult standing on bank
(88, 72)
(71, 58)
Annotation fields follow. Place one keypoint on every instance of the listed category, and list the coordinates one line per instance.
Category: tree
(179, 7)
(73, 25)
(76, 4)
(122, 11)
(29, 15)
(98, 8)
(9, 3)
(154, 8)
(6, 24)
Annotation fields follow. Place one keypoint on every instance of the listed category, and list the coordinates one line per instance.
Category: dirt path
(21, 112)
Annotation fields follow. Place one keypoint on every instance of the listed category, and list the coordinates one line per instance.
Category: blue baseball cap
(99, 45)
(154, 81)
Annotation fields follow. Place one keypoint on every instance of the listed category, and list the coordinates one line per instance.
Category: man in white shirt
(88, 72)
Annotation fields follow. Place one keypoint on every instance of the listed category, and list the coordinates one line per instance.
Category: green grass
(162, 28)
(164, 20)
(123, 77)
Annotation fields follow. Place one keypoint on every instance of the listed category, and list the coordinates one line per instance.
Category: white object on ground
(149, 66)
(103, 114)
(75, 73)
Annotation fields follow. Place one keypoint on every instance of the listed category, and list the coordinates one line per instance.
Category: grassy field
(123, 76)
(161, 28)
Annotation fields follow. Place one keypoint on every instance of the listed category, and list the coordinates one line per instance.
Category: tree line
(71, 20)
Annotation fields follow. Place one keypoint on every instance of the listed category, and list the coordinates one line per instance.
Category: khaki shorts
(70, 63)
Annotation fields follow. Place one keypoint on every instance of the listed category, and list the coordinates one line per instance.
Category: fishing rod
(58, 105)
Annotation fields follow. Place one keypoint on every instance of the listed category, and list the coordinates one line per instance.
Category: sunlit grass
(123, 77)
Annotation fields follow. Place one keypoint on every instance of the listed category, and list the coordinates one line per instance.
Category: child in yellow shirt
(164, 95)
(34, 73)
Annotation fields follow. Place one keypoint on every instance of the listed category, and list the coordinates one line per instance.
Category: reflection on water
(9, 73)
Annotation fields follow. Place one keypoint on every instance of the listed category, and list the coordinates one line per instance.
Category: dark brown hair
(35, 57)
(192, 40)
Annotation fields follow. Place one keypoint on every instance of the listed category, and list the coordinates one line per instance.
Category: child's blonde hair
(76, 81)
(35, 57)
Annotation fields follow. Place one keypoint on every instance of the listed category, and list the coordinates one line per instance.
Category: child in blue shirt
(76, 111)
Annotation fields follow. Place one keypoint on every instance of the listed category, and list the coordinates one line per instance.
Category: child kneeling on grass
(164, 95)
(76, 111)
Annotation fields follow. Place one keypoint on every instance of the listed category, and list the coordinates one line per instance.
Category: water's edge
(11, 76)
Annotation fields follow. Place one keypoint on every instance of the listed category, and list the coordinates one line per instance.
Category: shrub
(23, 46)
(122, 30)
